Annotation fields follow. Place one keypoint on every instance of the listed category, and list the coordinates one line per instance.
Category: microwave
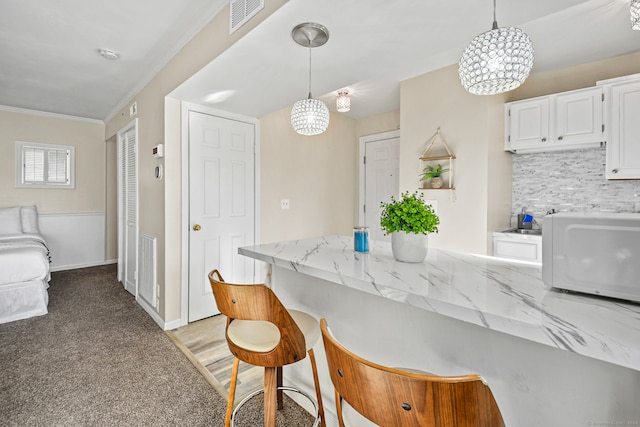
(593, 253)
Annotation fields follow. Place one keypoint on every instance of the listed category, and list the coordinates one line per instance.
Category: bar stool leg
(314, 368)
(270, 396)
(232, 391)
(280, 393)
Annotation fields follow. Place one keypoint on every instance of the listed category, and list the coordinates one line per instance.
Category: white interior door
(221, 205)
(381, 181)
(128, 208)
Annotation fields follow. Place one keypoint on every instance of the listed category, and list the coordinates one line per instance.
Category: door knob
(196, 227)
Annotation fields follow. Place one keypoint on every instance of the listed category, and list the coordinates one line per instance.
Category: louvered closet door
(128, 210)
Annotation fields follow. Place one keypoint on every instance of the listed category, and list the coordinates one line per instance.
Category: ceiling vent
(242, 11)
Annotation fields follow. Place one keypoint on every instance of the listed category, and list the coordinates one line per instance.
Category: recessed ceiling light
(108, 54)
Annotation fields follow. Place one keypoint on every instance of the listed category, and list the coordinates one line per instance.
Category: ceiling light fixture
(634, 10)
(496, 61)
(108, 54)
(310, 116)
(343, 101)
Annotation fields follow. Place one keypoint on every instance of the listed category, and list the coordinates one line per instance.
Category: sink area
(535, 232)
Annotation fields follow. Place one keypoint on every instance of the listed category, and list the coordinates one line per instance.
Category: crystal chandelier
(634, 10)
(310, 116)
(343, 102)
(496, 61)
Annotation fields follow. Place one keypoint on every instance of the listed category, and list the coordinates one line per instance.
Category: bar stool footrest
(316, 422)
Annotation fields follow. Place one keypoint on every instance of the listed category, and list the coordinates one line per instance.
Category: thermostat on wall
(158, 151)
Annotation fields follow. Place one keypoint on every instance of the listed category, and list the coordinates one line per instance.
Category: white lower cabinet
(517, 246)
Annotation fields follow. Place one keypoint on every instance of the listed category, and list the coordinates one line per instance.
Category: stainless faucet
(525, 220)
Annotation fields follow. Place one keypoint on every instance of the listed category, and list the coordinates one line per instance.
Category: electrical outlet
(284, 203)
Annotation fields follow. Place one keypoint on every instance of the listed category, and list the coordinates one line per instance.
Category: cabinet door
(527, 124)
(518, 248)
(623, 151)
(578, 117)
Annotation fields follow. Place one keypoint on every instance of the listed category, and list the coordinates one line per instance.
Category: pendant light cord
(495, 21)
(310, 68)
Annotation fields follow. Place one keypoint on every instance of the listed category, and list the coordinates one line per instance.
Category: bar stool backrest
(258, 302)
(390, 397)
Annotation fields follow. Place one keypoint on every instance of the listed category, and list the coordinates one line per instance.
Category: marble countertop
(505, 296)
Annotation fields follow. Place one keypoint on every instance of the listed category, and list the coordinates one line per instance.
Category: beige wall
(152, 114)
(577, 77)
(87, 136)
(378, 124)
(472, 127)
(111, 207)
(317, 174)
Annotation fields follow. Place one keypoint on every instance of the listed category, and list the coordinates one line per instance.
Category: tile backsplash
(569, 181)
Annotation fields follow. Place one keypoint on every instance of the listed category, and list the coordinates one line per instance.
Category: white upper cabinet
(623, 147)
(527, 124)
(562, 121)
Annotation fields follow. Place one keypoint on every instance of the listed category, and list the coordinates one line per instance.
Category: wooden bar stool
(262, 332)
(391, 397)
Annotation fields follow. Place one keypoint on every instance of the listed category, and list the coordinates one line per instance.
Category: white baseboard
(174, 324)
(74, 266)
(151, 312)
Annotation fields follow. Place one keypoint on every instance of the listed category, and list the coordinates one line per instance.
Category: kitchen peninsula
(550, 358)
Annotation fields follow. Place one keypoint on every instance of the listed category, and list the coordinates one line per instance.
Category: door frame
(393, 134)
(184, 223)
(122, 230)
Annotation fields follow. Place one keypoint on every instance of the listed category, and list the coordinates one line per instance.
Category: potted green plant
(408, 221)
(434, 173)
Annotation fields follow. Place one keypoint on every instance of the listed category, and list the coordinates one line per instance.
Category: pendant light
(343, 101)
(496, 61)
(634, 10)
(310, 116)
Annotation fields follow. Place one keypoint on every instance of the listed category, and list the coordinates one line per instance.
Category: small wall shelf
(436, 153)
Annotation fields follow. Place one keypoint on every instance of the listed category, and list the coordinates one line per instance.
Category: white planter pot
(409, 247)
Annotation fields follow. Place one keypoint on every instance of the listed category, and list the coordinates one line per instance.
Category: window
(44, 165)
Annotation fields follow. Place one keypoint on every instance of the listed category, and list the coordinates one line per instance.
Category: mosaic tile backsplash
(569, 181)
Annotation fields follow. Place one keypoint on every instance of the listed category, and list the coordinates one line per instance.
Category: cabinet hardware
(544, 139)
(560, 138)
(615, 171)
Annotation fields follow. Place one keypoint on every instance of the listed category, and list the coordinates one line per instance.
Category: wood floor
(203, 342)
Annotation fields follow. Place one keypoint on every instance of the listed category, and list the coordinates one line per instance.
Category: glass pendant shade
(309, 117)
(634, 11)
(343, 102)
(496, 61)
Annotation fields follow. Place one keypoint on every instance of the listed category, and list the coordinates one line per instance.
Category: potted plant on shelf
(408, 221)
(435, 174)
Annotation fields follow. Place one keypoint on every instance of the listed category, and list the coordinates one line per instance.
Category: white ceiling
(49, 57)
(49, 60)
